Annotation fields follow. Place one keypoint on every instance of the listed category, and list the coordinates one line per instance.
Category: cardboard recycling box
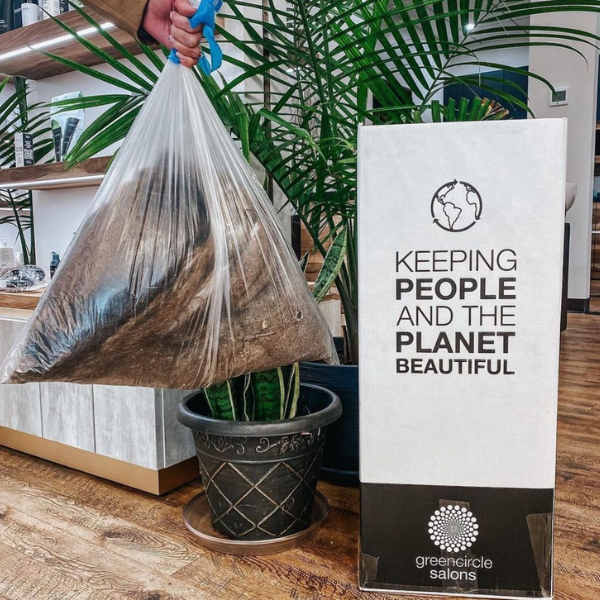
(460, 256)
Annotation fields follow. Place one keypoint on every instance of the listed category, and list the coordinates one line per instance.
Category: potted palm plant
(259, 440)
(333, 66)
(328, 68)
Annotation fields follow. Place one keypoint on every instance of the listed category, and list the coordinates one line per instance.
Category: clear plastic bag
(23, 278)
(180, 276)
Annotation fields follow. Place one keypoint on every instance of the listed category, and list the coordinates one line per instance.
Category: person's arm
(164, 21)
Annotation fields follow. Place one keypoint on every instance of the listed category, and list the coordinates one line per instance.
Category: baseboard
(179, 474)
(148, 480)
(579, 305)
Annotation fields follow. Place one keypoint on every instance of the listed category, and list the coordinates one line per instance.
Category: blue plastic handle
(206, 15)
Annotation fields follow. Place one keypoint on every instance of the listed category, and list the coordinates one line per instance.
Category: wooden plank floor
(69, 536)
(595, 292)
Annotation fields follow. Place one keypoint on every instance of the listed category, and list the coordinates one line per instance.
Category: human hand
(167, 22)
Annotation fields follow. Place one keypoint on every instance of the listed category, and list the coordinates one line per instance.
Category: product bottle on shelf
(7, 254)
(54, 263)
(17, 15)
(6, 16)
(30, 13)
(54, 8)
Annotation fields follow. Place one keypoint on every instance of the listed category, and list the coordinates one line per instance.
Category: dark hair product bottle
(6, 16)
(72, 123)
(17, 14)
(54, 263)
(57, 136)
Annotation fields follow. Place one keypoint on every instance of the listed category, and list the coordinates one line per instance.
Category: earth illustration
(456, 206)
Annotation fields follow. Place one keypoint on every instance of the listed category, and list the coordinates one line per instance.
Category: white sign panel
(460, 255)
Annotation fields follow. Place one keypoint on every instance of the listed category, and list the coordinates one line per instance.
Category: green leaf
(293, 391)
(304, 261)
(436, 111)
(222, 401)
(75, 66)
(107, 58)
(269, 395)
(247, 398)
(331, 267)
(107, 129)
(118, 46)
(88, 102)
(152, 56)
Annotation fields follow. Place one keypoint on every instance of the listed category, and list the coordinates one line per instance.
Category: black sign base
(481, 542)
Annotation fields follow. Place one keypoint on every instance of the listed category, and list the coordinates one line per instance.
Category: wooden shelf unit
(34, 65)
(54, 176)
(20, 300)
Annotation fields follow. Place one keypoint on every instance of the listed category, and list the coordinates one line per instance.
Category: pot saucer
(196, 516)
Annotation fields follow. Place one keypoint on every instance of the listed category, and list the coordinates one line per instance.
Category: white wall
(58, 214)
(567, 69)
(9, 233)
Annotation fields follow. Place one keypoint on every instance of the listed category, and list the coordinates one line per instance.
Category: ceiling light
(469, 26)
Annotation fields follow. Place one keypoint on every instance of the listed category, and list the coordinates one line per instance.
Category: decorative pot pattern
(262, 486)
(253, 499)
(266, 446)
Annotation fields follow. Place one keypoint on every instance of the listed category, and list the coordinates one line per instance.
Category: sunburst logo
(453, 528)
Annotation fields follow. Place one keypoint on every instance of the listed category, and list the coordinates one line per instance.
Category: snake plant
(266, 396)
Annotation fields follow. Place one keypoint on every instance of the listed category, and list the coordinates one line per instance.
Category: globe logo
(453, 528)
(456, 206)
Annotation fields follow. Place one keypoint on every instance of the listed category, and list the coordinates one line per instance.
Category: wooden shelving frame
(19, 300)
(34, 65)
(54, 176)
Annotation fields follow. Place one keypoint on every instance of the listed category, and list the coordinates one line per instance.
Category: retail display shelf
(20, 49)
(51, 176)
(20, 301)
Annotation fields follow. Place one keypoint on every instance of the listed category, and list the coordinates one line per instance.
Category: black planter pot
(260, 477)
(340, 456)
